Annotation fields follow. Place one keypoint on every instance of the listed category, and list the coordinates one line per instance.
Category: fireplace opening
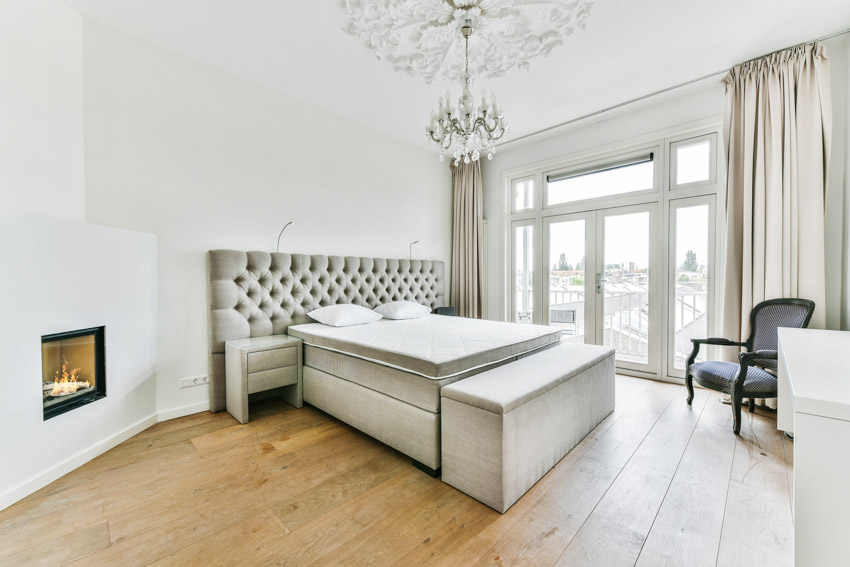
(73, 370)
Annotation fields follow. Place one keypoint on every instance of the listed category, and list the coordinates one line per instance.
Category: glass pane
(523, 194)
(524, 297)
(626, 302)
(691, 297)
(636, 177)
(693, 162)
(566, 278)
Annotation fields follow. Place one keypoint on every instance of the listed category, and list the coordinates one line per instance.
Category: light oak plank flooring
(658, 482)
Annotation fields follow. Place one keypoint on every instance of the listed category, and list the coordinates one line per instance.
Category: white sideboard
(814, 404)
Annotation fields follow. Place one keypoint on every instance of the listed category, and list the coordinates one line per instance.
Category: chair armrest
(763, 358)
(717, 341)
(709, 341)
(767, 354)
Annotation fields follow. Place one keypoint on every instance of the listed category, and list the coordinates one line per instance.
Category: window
(691, 265)
(694, 162)
(523, 190)
(613, 178)
(617, 248)
(523, 273)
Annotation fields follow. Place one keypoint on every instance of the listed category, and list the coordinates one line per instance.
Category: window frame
(517, 180)
(673, 205)
(536, 299)
(674, 161)
(598, 164)
(661, 143)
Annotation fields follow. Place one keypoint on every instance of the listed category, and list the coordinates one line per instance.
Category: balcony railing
(626, 317)
(691, 322)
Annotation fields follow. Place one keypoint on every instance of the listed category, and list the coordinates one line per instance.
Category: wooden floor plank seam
(725, 511)
(788, 476)
(616, 477)
(678, 464)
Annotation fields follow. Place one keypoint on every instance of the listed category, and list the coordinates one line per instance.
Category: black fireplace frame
(99, 390)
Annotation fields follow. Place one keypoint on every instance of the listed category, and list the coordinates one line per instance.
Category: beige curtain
(777, 130)
(467, 290)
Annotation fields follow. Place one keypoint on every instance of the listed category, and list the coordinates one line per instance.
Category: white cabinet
(814, 403)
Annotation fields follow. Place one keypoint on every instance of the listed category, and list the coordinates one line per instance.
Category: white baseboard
(40, 481)
(174, 413)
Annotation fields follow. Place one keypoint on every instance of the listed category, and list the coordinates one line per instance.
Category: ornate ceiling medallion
(420, 37)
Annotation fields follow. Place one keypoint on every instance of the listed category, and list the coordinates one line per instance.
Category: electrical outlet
(194, 381)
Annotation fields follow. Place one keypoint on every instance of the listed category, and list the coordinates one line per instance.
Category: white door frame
(652, 367)
(589, 218)
(670, 284)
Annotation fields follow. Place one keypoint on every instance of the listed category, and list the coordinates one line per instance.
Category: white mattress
(433, 346)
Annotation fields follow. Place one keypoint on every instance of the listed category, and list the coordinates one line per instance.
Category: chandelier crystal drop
(466, 131)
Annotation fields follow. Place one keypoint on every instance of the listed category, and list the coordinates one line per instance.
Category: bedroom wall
(845, 318)
(838, 192)
(205, 161)
(61, 274)
(41, 109)
(71, 275)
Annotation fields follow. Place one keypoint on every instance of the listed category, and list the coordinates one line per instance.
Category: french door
(605, 281)
(620, 248)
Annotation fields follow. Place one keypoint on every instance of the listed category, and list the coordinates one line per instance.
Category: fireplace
(73, 370)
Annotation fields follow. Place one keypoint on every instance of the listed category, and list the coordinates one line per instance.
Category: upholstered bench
(503, 429)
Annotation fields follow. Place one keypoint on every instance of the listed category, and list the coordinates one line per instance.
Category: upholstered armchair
(754, 375)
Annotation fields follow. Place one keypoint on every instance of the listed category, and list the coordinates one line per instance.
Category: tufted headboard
(252, 294)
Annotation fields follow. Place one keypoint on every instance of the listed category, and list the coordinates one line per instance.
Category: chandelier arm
(482, 123)
(469, 130)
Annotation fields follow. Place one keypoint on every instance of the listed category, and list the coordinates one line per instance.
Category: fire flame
(66, 382)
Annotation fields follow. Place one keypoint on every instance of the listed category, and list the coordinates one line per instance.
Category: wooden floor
(657, 483)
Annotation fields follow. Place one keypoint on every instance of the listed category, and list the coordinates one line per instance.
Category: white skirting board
(40, 481)
(182, 411)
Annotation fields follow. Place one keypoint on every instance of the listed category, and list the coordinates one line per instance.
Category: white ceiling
(630, 48)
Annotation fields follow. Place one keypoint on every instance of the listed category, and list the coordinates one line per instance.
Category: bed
(383, 378)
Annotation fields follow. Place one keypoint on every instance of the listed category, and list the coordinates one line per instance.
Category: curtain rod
(662, 91)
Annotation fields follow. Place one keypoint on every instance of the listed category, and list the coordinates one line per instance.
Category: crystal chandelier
(467, 131)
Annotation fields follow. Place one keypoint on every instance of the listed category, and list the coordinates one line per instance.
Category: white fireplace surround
(61, 275)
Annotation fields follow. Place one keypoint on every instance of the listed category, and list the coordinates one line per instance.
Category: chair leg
(689, 382)
(736, 413)
(752, 405)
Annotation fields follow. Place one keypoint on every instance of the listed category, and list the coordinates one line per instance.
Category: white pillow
(402, 310)
(344, 315)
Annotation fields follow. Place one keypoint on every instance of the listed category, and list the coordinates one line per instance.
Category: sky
(627, 237)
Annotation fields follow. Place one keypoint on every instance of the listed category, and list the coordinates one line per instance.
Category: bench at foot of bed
(504, 429)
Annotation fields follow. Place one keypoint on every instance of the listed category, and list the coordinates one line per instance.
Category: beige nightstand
(259, 364)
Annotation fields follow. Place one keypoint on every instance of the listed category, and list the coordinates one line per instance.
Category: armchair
(750, 377)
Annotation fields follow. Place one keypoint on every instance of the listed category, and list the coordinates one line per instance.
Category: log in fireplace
(73, 370)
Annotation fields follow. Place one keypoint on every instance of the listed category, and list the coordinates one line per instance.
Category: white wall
(838, 192)
(205, 161)
(41, 109)
(61, 276)
(845, 318)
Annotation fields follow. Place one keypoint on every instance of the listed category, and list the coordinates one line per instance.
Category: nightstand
(259, 364)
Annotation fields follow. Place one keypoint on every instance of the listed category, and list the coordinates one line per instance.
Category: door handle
(599, 282)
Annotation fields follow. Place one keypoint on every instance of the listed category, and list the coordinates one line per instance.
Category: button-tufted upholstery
(252, 294)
